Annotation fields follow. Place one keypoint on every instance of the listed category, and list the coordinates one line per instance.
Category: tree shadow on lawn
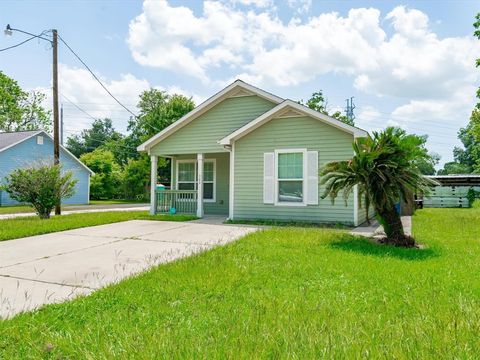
(366, 246)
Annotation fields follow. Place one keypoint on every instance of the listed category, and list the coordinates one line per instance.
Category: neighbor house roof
(11, 139)
(232, 89)
(457, 179)
(291, 108)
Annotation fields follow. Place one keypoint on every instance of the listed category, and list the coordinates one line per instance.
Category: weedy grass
(281, 293)
(28, 226)
(287, 223)
(118, 201)
(16, 209)
(19, 209)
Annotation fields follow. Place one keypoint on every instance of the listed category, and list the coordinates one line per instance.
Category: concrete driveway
(55, 267)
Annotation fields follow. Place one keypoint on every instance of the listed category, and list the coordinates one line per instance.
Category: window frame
(277, 202)
(195, 181)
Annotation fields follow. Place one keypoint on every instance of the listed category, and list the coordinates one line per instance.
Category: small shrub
(472, 196)
(476, 204)
(41, 185)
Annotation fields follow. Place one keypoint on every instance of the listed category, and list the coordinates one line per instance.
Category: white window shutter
(268, 178)
(312, 178)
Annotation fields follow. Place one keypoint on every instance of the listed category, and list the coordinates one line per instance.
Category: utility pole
(349, 109)
(56, 146)
(56, 133)
(61, 124)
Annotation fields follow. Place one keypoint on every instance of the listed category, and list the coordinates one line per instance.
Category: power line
(78, 107)
(19, 44)
(95, 77)
(33, 36)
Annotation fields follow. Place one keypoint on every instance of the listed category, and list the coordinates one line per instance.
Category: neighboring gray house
(23, 148)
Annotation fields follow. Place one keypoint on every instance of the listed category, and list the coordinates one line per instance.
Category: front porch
(200, 184)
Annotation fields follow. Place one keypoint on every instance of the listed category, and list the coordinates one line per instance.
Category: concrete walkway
(375, 229)
(87, 209)
(56, 267)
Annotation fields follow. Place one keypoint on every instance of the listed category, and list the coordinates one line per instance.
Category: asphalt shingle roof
(10, 138)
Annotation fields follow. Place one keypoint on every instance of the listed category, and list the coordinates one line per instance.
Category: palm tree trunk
(392, 224)
(367, 207)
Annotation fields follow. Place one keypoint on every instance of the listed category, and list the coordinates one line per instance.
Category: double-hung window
(290, 177)
(208, 180)
(187, 177)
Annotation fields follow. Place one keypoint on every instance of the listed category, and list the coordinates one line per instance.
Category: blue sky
(407, 63)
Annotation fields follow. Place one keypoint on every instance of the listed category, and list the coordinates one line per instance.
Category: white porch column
(153, 184)
(199, 185)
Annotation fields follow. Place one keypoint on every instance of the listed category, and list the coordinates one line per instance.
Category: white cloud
(256, 45)
(256, 3)
(368, 113)
(78, 86)
(300, 6)
(415, 63)
(458, 105)
(393, 56)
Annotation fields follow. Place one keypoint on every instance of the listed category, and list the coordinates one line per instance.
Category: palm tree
(384, 170)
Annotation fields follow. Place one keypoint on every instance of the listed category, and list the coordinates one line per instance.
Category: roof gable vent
(240, 93)
(289, 113)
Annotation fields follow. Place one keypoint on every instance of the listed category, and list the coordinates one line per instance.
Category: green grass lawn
(28, 226)
(19, 209)
(109, 202)
(283, 292)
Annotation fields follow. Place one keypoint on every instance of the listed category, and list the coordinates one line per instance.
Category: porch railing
(177, 201)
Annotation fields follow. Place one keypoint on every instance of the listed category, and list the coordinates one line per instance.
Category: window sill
(290, 204)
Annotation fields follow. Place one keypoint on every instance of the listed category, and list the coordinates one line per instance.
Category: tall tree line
(467, 158)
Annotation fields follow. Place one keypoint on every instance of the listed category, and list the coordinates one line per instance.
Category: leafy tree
(136, 175)
(384, 168)
(41, 185)
(105, 184)
(21, 110)
(454, 168)
(318, 103)
(157, 111)
(122, 150)
(467, 159)
(427, 165)
(476, 33)
(100, 133)
(424, 160)
(469, 156)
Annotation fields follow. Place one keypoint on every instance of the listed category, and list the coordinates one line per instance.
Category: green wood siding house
(248, 154)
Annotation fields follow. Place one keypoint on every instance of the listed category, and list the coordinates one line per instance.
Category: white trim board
(236, 87)
(294, 106)
(231, 187)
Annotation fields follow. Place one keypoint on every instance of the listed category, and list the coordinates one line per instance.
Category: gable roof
(11, 139)
(291, 108)
(237, 88)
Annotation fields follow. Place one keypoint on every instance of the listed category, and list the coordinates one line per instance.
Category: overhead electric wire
(96, 77)
(78, 107)
(19, 44)
(101, 84)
